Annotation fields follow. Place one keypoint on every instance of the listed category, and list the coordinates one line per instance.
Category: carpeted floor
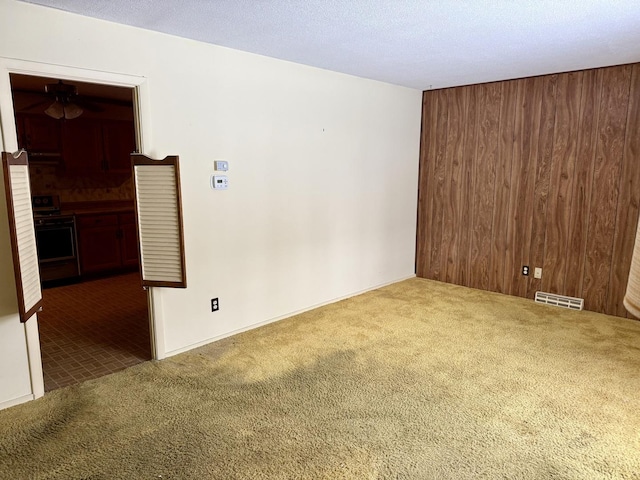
(418, 380)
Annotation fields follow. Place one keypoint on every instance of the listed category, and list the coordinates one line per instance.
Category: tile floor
(93, 328)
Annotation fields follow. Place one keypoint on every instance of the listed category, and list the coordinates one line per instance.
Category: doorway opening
(79, 136)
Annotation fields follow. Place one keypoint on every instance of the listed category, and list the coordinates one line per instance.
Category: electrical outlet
(537, 272)
(525, 270)
(215, 306)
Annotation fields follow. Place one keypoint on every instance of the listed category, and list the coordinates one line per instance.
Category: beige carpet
(418, 380)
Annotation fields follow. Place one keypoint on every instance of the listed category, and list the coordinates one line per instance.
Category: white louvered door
(159, 221)
(23, 237)
(631, 299)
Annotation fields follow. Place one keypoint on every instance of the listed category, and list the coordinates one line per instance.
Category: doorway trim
(9, 142)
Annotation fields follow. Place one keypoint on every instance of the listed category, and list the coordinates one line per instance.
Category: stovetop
(46, 213)
(45, 205)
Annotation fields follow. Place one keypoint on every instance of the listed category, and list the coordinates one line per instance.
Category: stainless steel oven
(55, 240)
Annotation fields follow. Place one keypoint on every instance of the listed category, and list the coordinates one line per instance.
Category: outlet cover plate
(215, 305)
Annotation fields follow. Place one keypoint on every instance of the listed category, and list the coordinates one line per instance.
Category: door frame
(9, 142)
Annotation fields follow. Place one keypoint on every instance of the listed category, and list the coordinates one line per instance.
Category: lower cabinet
(107, 242)
(128, 239)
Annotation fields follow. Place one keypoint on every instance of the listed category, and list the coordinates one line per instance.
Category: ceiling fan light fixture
(55, 110)
(59, 110)
(71, 110)
(62, 107)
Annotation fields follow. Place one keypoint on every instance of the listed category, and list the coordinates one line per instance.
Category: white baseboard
(281, 317)
(16, 401)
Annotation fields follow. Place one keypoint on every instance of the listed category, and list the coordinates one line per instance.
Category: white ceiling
(416, 43)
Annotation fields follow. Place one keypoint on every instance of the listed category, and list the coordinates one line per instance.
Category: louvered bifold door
(22, 233)
(159, 220)
(631, 299)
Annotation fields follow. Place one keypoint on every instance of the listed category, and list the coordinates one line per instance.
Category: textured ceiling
(416, 43)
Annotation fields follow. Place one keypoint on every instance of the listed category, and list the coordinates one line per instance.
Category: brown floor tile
(91, 329)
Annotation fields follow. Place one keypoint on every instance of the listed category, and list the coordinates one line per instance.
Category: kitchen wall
(541, 171)
(323, 173)
(47, 179)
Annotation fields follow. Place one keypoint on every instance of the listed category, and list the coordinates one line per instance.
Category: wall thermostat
(219, 182)
(221, 165)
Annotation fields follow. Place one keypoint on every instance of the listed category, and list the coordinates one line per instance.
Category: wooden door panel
(99, 248)
(41, 134)
(119, 142)
(129, 244)
(82, 146)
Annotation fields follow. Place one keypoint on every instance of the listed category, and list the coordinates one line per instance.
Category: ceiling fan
(66, 102)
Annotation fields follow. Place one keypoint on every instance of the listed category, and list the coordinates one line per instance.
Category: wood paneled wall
(541, 171)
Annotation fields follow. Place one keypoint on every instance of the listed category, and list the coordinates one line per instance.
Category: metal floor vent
(559, 300)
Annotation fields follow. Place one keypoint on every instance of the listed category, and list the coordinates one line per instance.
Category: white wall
(15, 382)
(323, 169)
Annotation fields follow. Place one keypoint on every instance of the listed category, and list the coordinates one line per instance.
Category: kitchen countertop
(97, 208)
(99, 211)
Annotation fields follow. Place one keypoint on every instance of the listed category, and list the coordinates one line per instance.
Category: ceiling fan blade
(87, 105)
(37, 104)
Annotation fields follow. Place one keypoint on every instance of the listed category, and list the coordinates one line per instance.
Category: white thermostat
(219, 182)
(221, 165)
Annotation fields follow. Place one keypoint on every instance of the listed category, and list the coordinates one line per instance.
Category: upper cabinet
(98, 146)
(96, 143)
(119, 142)
(99, 141)
(40, 136)
(82, 146)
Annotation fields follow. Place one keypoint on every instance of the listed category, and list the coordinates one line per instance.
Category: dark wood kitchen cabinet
(39, 135)
(82, 146)
(128, 239)
(98, 243)
(98, 146)
(119, 142)
(107, 242)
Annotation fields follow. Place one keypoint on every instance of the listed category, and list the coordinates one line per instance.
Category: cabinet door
(119, 142)
(99, 243)
(129, 245)
(128, 240)
(39, 134)
(82, 146)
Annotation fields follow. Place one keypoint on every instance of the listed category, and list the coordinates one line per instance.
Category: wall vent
(559, 300)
